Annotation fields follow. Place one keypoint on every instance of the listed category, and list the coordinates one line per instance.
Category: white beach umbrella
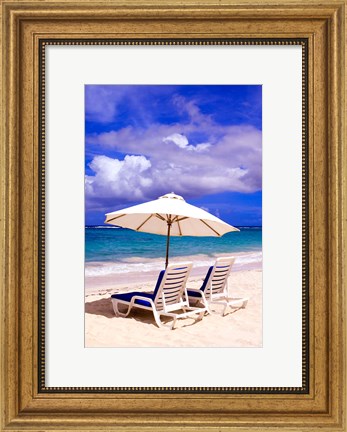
(169, 215)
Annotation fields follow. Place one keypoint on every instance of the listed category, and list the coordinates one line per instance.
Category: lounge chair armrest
(134, 298)
(137, 297)
(194, 289)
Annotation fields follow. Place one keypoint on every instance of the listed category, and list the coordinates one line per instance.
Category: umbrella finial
(172, 195)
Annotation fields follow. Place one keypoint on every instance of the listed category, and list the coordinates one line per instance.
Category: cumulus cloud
(182, 142)
(178, 139)
(126, 179)
(195, 158)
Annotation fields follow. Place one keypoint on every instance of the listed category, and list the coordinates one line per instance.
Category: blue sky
(201, 142)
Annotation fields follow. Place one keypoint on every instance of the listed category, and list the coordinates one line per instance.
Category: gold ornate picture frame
(26, 402)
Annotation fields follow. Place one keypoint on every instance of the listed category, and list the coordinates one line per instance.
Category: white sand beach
(238, 328)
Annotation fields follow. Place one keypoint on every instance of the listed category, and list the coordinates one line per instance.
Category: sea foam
(140, 265)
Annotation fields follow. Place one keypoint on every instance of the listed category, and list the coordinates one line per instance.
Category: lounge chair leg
(162, 325)
(158, 320)
(200, 316)
(224, 310)
(173, 323)
(244, 304)
(115, 309)
(207, 308)
(117, 312)
(205, 303)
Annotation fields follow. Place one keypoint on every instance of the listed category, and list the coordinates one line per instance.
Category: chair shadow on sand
(100, 307)
(104, 308)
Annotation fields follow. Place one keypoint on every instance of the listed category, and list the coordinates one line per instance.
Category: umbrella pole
(167, 243)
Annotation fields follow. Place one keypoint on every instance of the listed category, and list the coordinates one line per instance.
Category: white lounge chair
(214, 289)
(168, 297)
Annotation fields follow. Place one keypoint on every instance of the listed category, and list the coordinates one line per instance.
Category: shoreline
(136, 271)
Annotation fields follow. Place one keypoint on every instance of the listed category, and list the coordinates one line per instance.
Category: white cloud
(178, 139)
(125, 179)
(182, 142)
(202, 147)
(136, 178)
(161, 159)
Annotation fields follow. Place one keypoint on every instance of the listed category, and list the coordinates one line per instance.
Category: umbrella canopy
(169, 215)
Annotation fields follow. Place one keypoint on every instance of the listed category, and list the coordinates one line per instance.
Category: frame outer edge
(336, 182)
(10, 202)
(3, 224)
(342, 169)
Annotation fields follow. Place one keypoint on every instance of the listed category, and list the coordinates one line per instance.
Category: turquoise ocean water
(104, 244)
(121, 254)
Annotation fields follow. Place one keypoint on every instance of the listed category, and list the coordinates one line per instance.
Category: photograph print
(173, 216)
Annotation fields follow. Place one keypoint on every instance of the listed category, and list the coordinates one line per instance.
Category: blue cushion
(128, 296)
(193, 294)
(160, 278)
(208, 274)
(203, 286)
